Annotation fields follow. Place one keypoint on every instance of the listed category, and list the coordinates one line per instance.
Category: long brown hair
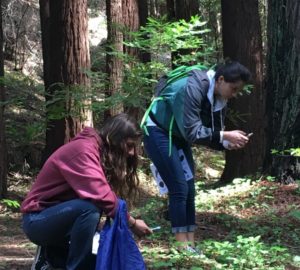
(120, 168)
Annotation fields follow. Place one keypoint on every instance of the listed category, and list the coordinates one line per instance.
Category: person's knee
(85, 206)
(93, 217)
(180, 194)
(87, 210)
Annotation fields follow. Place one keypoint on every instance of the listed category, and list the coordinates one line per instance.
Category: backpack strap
(170, 77)
(170, 134)
(145, 117)
(182, 71)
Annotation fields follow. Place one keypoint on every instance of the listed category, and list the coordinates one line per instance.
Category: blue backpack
(117, 248)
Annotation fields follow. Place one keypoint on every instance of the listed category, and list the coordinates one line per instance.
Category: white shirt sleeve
(226, 144)
(221, 137)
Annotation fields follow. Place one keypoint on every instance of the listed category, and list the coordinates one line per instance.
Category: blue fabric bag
(117, 248)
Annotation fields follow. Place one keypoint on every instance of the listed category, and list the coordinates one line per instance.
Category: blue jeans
(66, 228)
(181, 192)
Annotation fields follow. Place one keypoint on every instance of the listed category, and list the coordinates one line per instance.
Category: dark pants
(67, 228)
(181, 192)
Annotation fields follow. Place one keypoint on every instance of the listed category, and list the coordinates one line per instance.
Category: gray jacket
(202, 121)
(198, 115)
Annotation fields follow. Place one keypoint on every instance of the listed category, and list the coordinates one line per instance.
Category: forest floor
(16, 252)
(246, 225)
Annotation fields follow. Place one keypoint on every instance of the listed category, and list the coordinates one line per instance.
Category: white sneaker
(193, 250)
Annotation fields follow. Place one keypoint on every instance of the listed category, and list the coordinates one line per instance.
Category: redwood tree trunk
(114, 64)
(131, 21)
(143, 15)
(242, 42)
(66, 55)
(184, 9)
(3, 153)
(171, 9)
(283, 78)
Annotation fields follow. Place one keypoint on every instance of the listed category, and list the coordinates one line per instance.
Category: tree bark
(143, 15)
(131, 20)
(114, 64)
(242, 41)
(184, 9)
(66, 56)
(3, 152)
(283, 79)
(170, 9)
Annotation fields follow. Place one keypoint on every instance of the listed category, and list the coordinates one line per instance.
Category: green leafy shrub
(160, 39)
(247, 253)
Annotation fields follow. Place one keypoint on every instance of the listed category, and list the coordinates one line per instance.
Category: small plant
(10, 203)
(271, 178)
(290, 152)
(295, 214)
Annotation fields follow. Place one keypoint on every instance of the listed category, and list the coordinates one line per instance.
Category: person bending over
(76, 185)
(190, 110)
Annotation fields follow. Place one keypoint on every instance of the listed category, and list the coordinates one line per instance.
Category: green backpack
(167, 90)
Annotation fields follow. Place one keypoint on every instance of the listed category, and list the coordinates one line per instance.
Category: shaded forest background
(69, 70)
(77, 63)
(65, 64)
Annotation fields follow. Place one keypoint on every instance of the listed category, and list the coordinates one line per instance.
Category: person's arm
(138, 226)
(196, 132)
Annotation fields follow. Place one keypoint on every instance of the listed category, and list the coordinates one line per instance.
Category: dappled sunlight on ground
(259, 214)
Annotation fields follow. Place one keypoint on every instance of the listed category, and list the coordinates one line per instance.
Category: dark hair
(232, 71)
(120, 169)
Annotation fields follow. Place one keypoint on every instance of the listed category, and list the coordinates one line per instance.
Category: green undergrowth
(245, 225)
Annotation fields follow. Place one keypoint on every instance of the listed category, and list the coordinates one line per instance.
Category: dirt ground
(17, 252)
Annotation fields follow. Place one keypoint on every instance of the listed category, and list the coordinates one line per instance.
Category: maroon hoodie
(73, 171)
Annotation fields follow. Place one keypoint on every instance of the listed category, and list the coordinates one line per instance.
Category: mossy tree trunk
(283, 79)
(3, 152)
(242, 41)
(66, 56)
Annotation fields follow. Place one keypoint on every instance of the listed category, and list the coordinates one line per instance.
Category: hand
(236, 138)
(140, 228)
(234, 146)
